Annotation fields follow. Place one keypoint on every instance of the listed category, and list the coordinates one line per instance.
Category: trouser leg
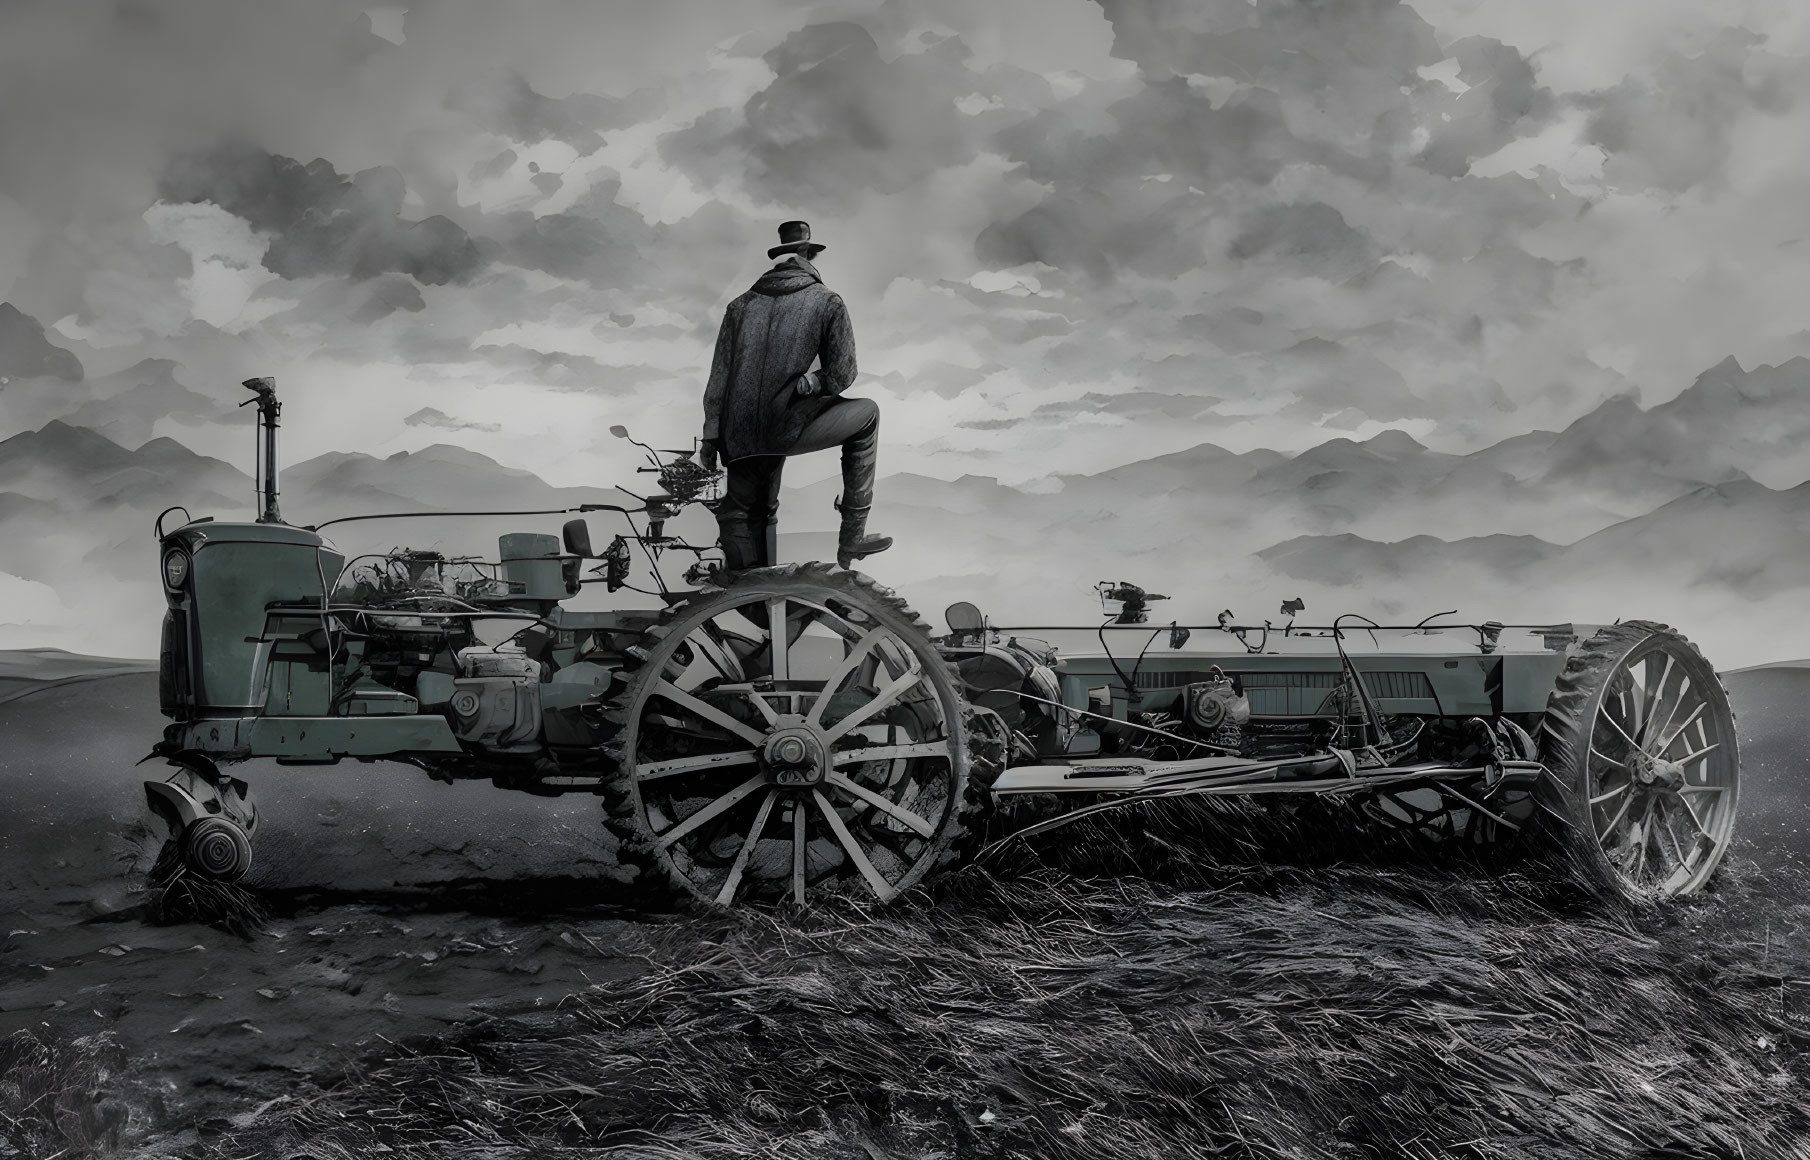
(745, 518)
(855, 425)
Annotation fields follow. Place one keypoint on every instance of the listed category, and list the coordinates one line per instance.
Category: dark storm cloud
(495, 167)
(1504, 101)
(1314, 233)
(386, 295)
(839, 119)
(1234, 95)
(1154, 405)
(1674, 129)
(558, 368)
(598, 240)
(1310, 46)
(320, 221)
(503, 102)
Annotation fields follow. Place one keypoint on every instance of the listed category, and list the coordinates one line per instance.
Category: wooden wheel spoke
(760, 704)
(693, 764)
(891, 752)
(716, 654)
(882, 803)
(1682, 726)
(727, 894)
(1637, 700)
(1643, 838)
(1697, 754)
(707, 711)
(889, 693)
(849, 664)
(1665, 825)
(712, 811)
(798, 849)
(1684, 684)
(875, 881)
(1602, 836)
(1620, 789)
(779, 643)
(1617, 726)
(1690, 811)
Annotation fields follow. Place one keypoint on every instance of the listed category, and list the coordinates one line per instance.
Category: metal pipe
(269, 409)
(583, 507)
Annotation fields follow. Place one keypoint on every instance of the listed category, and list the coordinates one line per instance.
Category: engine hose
(1129, 724)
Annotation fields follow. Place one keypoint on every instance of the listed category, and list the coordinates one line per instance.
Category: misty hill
(25, 352)
(1742, 536)
(1739, 537)
(439, 477)
(1623, 497)
(126, 405)
(78, 469)
(1327, 557)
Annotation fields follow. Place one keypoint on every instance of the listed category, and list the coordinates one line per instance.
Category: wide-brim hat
(795, 238)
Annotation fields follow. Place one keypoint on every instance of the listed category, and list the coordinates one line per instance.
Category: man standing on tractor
(764, 402)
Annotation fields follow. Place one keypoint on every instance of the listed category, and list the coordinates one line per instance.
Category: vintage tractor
(780, 733)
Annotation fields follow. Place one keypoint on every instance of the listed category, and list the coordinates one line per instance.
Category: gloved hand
(807, 385)
(707, 455)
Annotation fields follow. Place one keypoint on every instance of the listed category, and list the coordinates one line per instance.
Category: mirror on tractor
(619, 431)
(967, 627)
(577, 536)
(963, 616)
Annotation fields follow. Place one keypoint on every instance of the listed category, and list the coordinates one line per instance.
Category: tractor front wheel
(1639, 747)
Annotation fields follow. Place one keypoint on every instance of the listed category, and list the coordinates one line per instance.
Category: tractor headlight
(175, 568)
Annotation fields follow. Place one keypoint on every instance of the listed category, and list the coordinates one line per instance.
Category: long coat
(769, 338)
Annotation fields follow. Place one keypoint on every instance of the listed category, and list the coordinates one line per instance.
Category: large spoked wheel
(791, 734)
(1639, 746)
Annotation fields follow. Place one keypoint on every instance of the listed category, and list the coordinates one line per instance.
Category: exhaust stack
(268, 411)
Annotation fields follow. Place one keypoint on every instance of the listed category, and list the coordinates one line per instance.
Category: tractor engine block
(495, 701)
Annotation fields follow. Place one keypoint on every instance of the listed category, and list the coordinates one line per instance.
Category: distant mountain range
(25, 351)
(1705, 493)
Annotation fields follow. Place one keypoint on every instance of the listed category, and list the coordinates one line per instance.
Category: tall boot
(860, 462)
(740, 547)
(856, 541)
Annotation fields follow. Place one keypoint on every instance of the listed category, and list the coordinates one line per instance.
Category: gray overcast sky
(1072, 233)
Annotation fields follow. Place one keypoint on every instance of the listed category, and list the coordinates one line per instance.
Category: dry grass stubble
(1286, 986)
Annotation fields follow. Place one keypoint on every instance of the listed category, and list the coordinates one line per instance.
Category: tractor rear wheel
(1642, 770)
(793, 733)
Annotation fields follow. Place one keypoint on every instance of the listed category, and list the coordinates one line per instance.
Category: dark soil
(1208, 982)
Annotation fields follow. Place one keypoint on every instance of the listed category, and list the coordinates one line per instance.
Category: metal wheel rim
(1665, 704)
(891, 738)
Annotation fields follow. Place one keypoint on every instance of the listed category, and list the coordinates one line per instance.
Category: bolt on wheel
(1640, 746)
(792, 734)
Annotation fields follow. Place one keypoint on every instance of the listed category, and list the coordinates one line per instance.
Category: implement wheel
(789, 734)
(1639, 745)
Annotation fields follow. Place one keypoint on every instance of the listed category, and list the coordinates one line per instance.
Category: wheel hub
(1655, 772)
(795, 753)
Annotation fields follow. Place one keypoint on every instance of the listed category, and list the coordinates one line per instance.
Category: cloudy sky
(1072, 233)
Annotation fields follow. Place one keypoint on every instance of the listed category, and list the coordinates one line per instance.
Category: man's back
(770, 337)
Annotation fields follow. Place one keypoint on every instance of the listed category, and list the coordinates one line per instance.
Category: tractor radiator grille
(1303, 693)
(1294, 694)
(1170, 680)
